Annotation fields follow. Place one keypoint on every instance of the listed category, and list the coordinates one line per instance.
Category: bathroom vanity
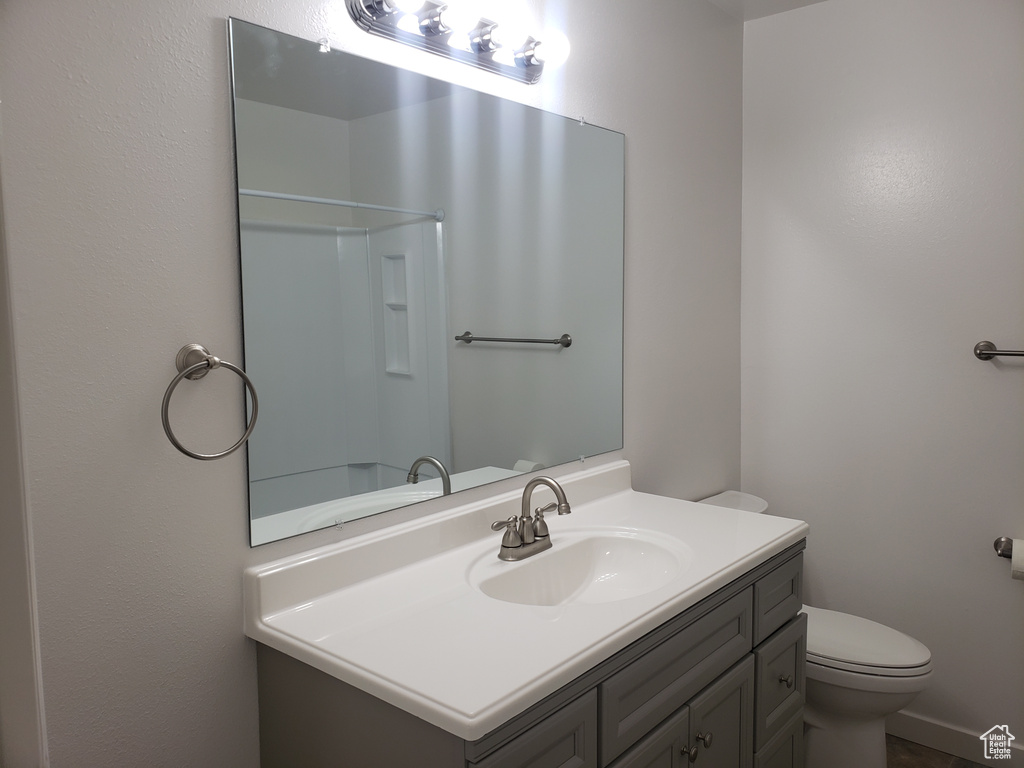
(654, 632)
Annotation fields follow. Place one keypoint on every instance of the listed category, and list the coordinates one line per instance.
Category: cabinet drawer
(638, 697)
(778, 597)
(780, 664)
(566, 739)
(786, 749)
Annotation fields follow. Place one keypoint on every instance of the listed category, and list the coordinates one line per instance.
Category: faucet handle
(511, 539)
(539, 511)
(540, 525)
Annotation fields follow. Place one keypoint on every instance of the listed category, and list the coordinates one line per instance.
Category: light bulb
(515, 22)
(461, 17)
(553, 49)
(408, 6)
(408, 22)
(510, 33)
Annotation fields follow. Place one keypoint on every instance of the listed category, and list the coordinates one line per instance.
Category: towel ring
(193, 362)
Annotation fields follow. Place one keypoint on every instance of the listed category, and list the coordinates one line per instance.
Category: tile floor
(906, 754)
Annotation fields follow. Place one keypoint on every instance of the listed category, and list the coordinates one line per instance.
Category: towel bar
(986, 350)
(565, 340)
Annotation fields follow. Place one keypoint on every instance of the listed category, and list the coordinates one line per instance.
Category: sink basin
(591, 568)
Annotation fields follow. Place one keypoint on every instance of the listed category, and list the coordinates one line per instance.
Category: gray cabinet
(664, 747)
(785, 749)
(566, 739)
(721, 720)
(720, 685)
(780, 675)
(713, 730)
(637, 698)
(778, 596)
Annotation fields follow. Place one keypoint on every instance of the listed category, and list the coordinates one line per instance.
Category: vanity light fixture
(431, 25)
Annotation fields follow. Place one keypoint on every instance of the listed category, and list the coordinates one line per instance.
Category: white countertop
(397, 613)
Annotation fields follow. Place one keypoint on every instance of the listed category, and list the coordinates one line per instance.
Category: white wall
(119, 211)
(883, 193)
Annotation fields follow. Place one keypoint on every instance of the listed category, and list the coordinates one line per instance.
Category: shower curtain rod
(438, 214)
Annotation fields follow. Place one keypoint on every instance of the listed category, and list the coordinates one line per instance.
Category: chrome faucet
(525, 535)
(414, 476)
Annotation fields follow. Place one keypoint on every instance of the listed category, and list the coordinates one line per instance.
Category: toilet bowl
(858, 672)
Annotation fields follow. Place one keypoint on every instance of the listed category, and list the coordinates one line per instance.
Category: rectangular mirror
(381, 215)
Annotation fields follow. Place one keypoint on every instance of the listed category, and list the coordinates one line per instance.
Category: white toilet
(858, 671)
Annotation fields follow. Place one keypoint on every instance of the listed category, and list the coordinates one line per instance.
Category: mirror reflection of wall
(350, 314)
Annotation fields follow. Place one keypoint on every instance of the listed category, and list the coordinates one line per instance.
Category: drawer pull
(691, 753)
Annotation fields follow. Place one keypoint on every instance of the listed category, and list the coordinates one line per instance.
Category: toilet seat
(854, 644)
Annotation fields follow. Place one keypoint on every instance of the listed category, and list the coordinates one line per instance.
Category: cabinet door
(780, 670)
(638, 697)
(786, 749)
(721, 720)
(664, 747)
(566, 739)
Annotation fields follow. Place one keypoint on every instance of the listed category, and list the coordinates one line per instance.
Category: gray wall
(882, 239)
(119, 216)
(517, 263)
(21, 711)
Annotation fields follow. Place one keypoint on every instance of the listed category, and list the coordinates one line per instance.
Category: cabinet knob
(690, 754)
(787, 680)
(704, 738)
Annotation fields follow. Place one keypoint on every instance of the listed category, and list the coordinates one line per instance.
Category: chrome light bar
(428, 32)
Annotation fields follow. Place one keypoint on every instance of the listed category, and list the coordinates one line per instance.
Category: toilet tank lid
(856, 640)
(748, 502)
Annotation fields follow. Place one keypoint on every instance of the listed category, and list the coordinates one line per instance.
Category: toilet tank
(747, 502)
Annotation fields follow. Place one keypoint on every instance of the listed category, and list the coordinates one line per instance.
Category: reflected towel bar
(565, 340)
(438, 214)
(986, 350)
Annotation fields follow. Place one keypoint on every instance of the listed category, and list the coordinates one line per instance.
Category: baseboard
(950, 739)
